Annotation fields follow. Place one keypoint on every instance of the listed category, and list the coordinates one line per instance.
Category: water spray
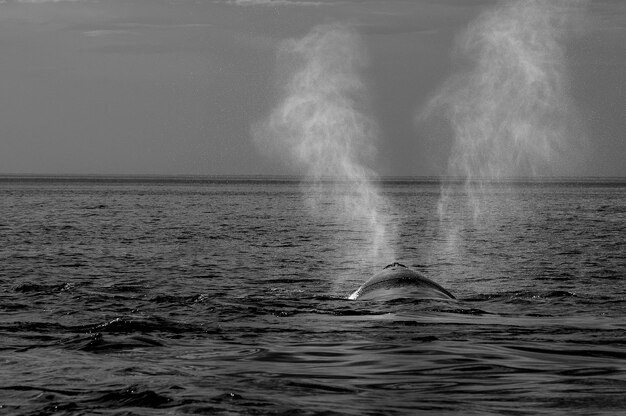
(510, 112)
(320, 126)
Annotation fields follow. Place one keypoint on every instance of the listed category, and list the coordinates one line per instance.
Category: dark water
(143, 298)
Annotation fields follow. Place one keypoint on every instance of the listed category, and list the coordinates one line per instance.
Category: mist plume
(321, 127)
(510, 111)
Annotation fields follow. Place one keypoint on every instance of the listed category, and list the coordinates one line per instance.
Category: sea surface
(158, 296)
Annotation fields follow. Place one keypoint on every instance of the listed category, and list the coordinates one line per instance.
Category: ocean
(150, 296)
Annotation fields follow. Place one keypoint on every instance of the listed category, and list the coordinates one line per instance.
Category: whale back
(398, 281)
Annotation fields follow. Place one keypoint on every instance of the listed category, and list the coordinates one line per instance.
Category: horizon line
(299, 178)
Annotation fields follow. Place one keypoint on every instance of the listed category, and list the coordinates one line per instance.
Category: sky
(171, 87)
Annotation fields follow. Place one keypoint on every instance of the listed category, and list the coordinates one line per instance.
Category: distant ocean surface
(138, 296)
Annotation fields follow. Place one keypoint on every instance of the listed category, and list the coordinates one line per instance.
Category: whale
(398, 281)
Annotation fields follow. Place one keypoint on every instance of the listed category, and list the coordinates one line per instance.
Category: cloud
(275, 2)
(130, 28)
(395, 29)
(165, 25)
(45, 1)
(104, 32)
